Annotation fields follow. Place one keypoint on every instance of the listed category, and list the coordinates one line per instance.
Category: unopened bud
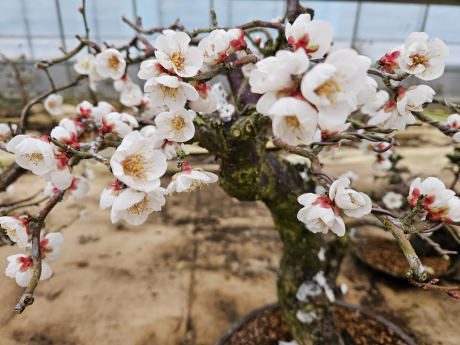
(80, 9)
(424, 288)
(258, 40)
(181, 154)
(434, 281)
(453, 294)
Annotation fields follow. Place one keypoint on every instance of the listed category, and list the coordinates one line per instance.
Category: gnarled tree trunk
(249, 172)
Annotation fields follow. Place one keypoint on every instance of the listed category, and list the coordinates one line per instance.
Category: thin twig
(431, 285)
(28, 295)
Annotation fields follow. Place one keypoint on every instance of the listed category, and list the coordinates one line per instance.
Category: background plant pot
(390, 260)
(238, 325)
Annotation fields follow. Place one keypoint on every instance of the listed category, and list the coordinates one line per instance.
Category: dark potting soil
(360, 329)
(386, 255)
(268, 327)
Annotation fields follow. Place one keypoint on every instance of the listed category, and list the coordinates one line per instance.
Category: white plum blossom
(138, 164)
(368, 91)
(118, 124)
(351, 175)
(85, 64)
(398, 113)
(332, 85)
(440, 203)
(170, 91)
(207, 102)
(313, 36)
(102, 109)
(53, 104)
(33, 154)
(71, 125)
(189, 179)
(273, 77)
(453, 122)
(148, 110)
(175, 125)
(293, 119)
(425, 60)
(320, 214)
(150, 69)
(124, 84)
(132, 97)
(110, 64)
(393, 200)
(237, 42)
(5, 131)
(381, 164)
(214, 47)
(109, 194)
(78, 188)
(167, 147)
(353, 204)
(174, 53)
(51, 247)
(373, 104)
(21, 266)
(327, 128)
(84, 109)
(134, 206)
(16, 229)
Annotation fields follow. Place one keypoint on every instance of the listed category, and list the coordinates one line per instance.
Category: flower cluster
(439, 204)
(311, 105)
(322, 213)
(21, 265)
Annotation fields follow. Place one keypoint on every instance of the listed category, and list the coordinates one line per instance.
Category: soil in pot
(268, 327)
(386, 256)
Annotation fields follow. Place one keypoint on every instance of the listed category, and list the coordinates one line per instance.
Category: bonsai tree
(295, 91)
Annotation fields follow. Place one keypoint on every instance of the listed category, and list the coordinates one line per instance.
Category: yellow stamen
(141, 207)
(168, 92)
(329, 89)
(293, 122)
(113, 62)
(33, 158)
(177, 59)
(137, 166)
(418, 60)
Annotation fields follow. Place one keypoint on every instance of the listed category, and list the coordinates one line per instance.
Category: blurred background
(36, 29)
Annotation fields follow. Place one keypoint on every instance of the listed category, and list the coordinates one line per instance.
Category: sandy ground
(191, 270)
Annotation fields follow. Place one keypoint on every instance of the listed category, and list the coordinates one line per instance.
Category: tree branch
(25, 110)
(28, 295)
(226, 67)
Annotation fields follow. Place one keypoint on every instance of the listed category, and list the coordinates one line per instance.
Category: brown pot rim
(237, 325)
